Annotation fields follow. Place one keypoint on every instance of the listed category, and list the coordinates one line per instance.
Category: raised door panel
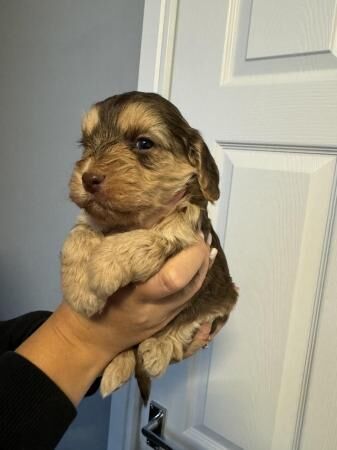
(255, 383)
(319, 425)
(278, 99)
(290, 28)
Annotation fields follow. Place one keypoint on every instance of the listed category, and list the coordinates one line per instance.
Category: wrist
(63, 348)
(83, 336)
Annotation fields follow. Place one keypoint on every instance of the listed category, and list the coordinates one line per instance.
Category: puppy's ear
(90, 120)
(206, 169)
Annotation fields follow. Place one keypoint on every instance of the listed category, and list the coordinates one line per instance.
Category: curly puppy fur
(141, 160)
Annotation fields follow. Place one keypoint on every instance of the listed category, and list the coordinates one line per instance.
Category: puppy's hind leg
(157, 353)
(118, 372)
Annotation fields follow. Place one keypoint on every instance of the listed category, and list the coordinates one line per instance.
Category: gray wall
(56, 57)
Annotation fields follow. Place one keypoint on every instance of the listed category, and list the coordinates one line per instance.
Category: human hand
(138, 311)
(73, 350)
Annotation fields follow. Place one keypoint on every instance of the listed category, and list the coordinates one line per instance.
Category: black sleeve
(13, 332)
(34, 412)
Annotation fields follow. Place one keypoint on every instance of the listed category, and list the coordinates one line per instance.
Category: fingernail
(209, 239)
(213, 254)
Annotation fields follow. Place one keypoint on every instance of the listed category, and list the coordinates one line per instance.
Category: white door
(259, 79)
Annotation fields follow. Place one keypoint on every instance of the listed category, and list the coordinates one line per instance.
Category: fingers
(200, 340)
(203, 337)
(178, 280)
(178, 272)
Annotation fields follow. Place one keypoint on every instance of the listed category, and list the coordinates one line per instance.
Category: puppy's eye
(143, 143)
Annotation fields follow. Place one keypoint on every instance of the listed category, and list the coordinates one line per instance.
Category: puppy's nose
(92, 181)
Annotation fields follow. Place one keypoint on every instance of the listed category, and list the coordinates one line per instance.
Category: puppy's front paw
(156, 355)
(91, 305)
(105, 280)
(83, 300)
(118, 372)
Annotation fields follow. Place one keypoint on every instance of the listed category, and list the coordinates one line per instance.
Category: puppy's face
(140, 158)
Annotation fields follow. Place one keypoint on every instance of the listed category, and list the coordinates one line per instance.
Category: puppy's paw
(91, 305)
(105, 280)
(156, 355)
(118, 372)
(85, 302)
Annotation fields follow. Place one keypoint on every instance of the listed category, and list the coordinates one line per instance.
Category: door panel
(320, 418)
(265, 100)
(293, 41)
(278, 194)
(290, 28)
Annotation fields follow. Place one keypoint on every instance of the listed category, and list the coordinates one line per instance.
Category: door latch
(154, 430)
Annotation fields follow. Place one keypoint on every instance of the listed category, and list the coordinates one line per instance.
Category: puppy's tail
(143, 381)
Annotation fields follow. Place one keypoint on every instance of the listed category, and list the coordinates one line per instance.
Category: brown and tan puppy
(143, 183)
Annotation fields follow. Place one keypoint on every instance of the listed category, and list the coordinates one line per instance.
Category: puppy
(143, 183)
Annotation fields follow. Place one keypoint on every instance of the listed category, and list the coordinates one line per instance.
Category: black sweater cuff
(34, 411)
(13, 332)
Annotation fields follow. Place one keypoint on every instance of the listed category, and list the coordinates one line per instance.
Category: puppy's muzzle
(92, 182)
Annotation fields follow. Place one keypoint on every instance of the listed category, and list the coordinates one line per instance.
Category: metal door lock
(154, 430)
